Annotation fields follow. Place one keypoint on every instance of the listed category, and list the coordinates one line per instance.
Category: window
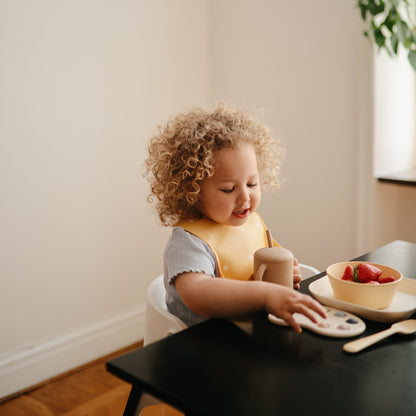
(394, 115)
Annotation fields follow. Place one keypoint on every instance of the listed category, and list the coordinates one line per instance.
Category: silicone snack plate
(339, 324)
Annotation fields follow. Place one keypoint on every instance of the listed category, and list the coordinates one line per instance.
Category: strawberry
(365, 272)
(348, 273)
(386, 279)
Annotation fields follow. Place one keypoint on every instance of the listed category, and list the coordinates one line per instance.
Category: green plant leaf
(375, 8)
(391, 19)
(402, 31)
(412, 58)
(386, 28)
(379, 38)
(394, 42)
(363, 11)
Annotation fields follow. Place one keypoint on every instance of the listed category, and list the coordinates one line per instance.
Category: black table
(216, 368)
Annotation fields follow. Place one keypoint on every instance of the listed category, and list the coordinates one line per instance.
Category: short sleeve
(185, 252)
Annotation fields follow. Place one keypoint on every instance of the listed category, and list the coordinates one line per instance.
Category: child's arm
(228, 298)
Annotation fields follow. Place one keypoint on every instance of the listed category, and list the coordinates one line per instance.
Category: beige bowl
(372, 296)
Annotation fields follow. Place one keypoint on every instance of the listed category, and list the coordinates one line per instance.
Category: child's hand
(297, 275)
(284, 302)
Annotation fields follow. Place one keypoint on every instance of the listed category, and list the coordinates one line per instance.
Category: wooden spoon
(404, 327)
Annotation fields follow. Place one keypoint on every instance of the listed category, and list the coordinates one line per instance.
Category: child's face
(233, 192)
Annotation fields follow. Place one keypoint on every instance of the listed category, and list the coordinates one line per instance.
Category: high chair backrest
(308, 271)
(159, 322)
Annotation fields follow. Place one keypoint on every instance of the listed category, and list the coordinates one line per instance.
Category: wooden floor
(87, 391)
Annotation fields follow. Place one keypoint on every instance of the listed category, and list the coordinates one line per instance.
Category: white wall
(306, 62)
(84, 84)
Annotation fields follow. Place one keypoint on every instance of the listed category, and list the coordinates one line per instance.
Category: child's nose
(243, 196)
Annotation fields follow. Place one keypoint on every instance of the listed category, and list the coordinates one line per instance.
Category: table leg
(133, 400)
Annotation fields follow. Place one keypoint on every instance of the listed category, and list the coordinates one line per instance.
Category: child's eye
(251, 185)
(228, 190)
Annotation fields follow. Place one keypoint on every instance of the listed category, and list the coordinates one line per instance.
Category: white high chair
(159, 322)
(308, 271)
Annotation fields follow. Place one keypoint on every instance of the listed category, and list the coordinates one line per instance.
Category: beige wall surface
(83, 86)
(302, 62)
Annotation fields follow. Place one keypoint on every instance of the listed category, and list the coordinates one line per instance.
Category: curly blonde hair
(182, 155)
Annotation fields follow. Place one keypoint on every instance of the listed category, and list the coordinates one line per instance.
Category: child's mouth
(241, 214)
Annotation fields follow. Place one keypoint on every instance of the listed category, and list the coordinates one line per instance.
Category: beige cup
(275, 265)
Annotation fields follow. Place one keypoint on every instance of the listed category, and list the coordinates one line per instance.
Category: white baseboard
(30, 366)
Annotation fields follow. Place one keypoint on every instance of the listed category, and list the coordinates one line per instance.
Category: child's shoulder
(179, 236)
(184, 245)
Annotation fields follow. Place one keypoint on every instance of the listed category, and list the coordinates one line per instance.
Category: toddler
(207, 171)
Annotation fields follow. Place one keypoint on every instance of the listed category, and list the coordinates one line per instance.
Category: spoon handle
(361, 343)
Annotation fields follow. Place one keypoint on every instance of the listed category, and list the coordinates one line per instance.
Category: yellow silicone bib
(233, 247)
